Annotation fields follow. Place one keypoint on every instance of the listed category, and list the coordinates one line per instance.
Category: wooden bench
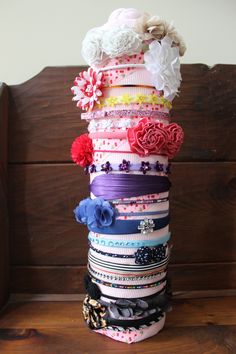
(43, 252)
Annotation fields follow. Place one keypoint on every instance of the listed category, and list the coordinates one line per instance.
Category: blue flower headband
(100, 217)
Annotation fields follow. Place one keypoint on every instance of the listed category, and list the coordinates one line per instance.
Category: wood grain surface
(48, 248)
(186, 277)
(44, 232)
(196, 326)
(4, 234)
(44, 120)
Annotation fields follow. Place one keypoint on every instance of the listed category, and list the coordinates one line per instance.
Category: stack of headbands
(127, 94)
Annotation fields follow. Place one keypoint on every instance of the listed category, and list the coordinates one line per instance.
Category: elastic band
(126, 166)
(130, 85)
(128, 99)
(144, 213)
(134, 268)
(125, 113)
(124, 277)
(140, 201)
(136, 323)
(122, 66)
(114, 186)
(128, 243)
(145, 298)
(101, 270)
(114, 255)
(130, 286)
(108, 135)
(126, 227)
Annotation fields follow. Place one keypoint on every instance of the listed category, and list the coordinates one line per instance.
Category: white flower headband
(127, 32)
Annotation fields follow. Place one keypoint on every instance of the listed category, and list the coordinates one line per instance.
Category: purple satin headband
(113, 186)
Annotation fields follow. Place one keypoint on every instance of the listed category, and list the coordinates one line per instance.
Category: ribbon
(114, 186)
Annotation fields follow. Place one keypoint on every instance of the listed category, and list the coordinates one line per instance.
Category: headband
(114, 186)
(101, 217)
(120, 267)
(127, 166)
(143, 255)
(121, 113)
(96, 316)
(128, 244)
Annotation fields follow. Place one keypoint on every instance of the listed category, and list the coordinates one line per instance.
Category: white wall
(39, 33)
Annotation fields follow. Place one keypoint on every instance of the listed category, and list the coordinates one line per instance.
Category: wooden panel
(44, 120)
(69, 279)
(44, 232)
(4, 236)
(195, 327)
(49, 314)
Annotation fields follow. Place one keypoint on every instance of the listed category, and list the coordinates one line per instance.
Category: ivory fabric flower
(157, 28)
(92, 47)
(121, 40)
(87, 89)
(162, 61)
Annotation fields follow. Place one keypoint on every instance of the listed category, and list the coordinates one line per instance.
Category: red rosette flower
(175, 139)
(147, 137)
(82, 150)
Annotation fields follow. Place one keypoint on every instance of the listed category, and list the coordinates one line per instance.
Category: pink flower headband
(145, 139)
(149, 138)
(88, 87)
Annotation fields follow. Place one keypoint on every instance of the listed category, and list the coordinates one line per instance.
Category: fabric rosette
(149, 137)
(95, 212)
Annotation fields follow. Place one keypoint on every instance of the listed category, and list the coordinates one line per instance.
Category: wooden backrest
(48, 249)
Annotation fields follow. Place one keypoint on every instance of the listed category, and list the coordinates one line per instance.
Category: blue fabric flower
(81, 211)
(95, 212)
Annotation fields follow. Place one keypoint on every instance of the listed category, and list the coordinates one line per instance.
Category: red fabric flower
(82, 150)
(147, 137)
(175, 139)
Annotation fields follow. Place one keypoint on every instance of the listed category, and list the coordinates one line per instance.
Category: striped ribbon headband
(124, 277)
(130, 286)
(114, 255)
(126, 268)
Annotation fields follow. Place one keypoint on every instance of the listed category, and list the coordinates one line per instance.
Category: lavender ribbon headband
(113, 186)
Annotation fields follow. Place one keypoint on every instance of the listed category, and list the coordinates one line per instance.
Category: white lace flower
(121, 40)
(162, 61)
(92, 47)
